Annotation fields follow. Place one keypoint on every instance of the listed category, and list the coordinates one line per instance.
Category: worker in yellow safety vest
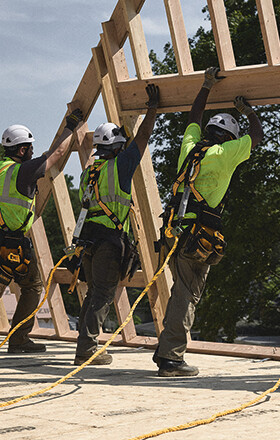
(105, 192)
(205, 168)
(18, 188)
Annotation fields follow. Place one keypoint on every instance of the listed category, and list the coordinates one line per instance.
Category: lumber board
(64, 276)
(87, 94)
(4, 322)
(63, 207)
(221, 34)
(179, 36)
(108, 96)
(237, 350)
(83, 143)
(137, 40)
(113, 55)
(45, 261)
(117, 18)
(269, 31)
(148, 260)
(122, 307)
(260, 84)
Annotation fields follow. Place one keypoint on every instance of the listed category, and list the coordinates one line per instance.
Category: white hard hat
(15, 135)
(108, 134)
(226, 122)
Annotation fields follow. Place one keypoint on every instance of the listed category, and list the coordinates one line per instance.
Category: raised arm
(255, 127)
(59, 147)
(145, 130)
(210, 78)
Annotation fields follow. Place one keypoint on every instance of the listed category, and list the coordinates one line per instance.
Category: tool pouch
(15, 256)
(205, 245)
(131, 261)
(74, 264)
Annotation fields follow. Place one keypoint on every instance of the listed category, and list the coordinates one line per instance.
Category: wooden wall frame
(123, 99)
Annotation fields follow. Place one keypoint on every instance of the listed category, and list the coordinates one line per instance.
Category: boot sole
(176, 373)
(94, 362)
(17, 351)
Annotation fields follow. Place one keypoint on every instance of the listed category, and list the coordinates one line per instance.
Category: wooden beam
(269, 31)
(63, 206)
(115, 60)
(45, 261)
(237, 350)
(109, 101)
(179, 36)
(4, 322)
(122, 307)
(83, 144)
(137, 39)
(87, 94)
(113, 55)
(221, 34)
(64, 276)
(117, 18)
(138, 341)
(260, 84)
(147, 208)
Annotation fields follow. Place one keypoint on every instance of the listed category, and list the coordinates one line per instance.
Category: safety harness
(130, 260)
(15, 249)
(201, 237)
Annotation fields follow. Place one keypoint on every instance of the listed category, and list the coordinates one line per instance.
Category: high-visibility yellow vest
(14, 207)
(110, 193)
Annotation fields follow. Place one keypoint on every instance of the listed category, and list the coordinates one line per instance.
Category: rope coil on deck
(103, 348)
(210, 419)
(39, 306)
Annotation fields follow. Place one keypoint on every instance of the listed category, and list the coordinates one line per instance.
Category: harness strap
(5, 167)
(106, 210)
(94, 174)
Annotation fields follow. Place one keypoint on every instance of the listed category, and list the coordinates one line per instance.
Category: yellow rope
(206, 421)
(103, 348)
(39, 306)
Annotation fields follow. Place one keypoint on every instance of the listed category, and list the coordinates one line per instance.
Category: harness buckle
(14, 258)
(171, 232)
(69, 250)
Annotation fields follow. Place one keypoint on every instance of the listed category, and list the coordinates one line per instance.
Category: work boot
(28, 347)
(169, 368)
(156, 358)
(102, 359)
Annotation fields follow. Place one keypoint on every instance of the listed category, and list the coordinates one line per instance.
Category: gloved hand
(153, 94)
(210, 77)
(73, 119)
(243, 106)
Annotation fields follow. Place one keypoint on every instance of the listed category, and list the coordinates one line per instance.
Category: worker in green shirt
(201, 243)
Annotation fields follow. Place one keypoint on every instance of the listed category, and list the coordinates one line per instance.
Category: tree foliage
(245, 283)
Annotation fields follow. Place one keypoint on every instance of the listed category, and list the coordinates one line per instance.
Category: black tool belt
(201, 238)
(203, 244)
(15, 256)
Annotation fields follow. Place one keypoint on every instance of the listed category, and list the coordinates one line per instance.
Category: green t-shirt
(218, 165)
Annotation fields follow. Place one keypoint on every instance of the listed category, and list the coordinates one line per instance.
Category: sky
(45, 49)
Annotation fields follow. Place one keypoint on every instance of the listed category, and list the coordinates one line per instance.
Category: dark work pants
(31, 288)
(189, 278)
(102, 266)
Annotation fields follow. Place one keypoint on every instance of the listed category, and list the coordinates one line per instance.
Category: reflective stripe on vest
(14, 206)
(110, 194)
